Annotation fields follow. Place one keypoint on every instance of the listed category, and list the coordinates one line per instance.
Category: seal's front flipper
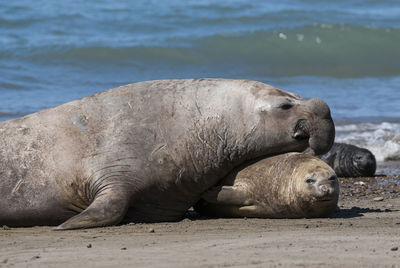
(224, 201)
(227, 195)
(107, 209)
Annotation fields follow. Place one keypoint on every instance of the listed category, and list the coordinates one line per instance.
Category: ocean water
(346, 52)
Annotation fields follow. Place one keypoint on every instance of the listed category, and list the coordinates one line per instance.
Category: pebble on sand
(380, 198)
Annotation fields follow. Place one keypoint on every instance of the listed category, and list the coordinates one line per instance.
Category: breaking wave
(382, 139)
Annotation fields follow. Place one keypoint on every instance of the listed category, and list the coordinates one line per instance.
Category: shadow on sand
(344, 213)
(356, 212)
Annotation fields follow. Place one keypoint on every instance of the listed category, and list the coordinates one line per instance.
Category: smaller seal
(350, 161)
(291, 185)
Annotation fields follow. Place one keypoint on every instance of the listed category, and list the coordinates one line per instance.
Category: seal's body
(146, 150)
(291, 185)
(350, 161)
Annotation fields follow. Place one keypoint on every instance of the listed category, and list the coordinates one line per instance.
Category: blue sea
(346, 52)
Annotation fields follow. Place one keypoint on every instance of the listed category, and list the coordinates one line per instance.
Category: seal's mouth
(325, 200)
(301, 130)
(301, 133)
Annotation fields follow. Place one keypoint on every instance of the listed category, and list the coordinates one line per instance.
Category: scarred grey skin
(350, 161)
(291, 185)
(146, 151)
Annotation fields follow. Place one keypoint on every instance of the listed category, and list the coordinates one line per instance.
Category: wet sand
(363, 232)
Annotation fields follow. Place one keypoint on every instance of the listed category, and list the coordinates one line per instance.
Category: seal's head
(354, 161)
(317, 189)
(292, 123)
(364, 162)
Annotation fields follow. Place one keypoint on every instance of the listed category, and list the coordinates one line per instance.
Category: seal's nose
(322, 130)
(324, 188)
(319, 108)
(327, 186)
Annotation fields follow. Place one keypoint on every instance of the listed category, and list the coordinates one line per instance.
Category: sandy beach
(364, 232)
(343, 52)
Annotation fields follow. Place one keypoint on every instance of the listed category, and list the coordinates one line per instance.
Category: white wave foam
(382, 139)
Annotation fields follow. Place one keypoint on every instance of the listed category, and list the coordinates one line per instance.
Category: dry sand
(363, 233)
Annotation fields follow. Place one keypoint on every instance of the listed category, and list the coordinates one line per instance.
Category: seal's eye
(358, 157)
(310, 181)
(286, 106)
(332, 178)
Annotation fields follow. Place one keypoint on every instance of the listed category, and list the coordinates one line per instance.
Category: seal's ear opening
(263, 109)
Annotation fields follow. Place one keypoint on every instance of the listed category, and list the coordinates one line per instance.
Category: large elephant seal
(146, 150)
(291, 185)
(350, 161)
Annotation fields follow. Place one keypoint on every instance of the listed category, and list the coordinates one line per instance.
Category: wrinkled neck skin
(344, 164)
(234, 126)
(218, 141)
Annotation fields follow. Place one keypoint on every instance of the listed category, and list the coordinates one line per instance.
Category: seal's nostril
(301, 130)
(324, 188)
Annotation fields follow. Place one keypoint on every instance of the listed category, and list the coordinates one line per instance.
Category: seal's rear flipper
(227, 195)
(107, 209)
